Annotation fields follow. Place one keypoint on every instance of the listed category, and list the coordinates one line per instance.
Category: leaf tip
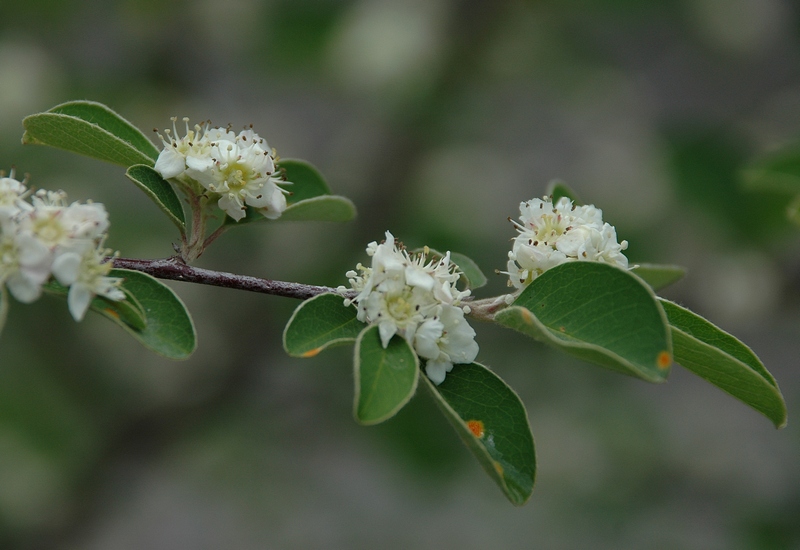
(476, 427)
(28, 139)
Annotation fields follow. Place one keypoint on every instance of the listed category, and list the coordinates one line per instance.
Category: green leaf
(128, 311)
(306, 181)
(327, 208)
(159, 191)
(385, 379)
(558, 189)
(469, 270)
(599, 313)
(491, 420)
(706, 169)
(318, 323)
(778, 171)
(168, 329)
(718, 357)
(90, 129)
(659, 276)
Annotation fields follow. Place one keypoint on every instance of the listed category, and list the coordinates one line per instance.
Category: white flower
(551, 234)
(87, 277)
(456, 344)
(192, 150)
(51, 227)
(243, 174)
(240, 169)
(12, 192)
(49, 238)
(403, 294)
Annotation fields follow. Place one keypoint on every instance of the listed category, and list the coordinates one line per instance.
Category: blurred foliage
(706, 167)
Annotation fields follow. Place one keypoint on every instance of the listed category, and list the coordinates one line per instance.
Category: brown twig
(176, 270)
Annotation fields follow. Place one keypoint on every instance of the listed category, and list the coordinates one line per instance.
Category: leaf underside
(90, 129)
(724, 361)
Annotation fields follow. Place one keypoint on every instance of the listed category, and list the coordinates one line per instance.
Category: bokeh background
(437, 117)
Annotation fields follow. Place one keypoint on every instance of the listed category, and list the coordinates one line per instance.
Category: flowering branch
(175, 269)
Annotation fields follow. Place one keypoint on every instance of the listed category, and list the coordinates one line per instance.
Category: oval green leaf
(128, 311)
(659, 276)
(91, 129)
(470, 271)
(168, 328)
(558, 189)
(306, 181)
(385, 379)
(491, 420)
(318, 323)
(721, 359)
(159, 191)
(598, 313)
(325, 208)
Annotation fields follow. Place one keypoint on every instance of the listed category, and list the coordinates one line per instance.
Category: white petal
(436, 370)
(275, 205)
(416, 276)
(170, 163)
(460, 344)
(232, 205)
(78, 300)
(426, 338)
(66, 268)
(387, 329)
(199, 163)
(23, 289)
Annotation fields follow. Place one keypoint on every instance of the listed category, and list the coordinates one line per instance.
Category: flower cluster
(46, 237)
(238, 169)
(418, 300)
(551, 234)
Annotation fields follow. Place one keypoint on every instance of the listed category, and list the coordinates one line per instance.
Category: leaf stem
(484, 310)
(213, 237)
(176, 269)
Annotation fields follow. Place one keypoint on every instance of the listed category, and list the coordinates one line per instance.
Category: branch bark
(176, 270)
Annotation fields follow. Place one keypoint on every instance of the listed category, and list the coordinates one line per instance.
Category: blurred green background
(437, 117)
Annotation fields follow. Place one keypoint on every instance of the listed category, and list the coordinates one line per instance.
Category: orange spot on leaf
(112, 313)
(498, 468)
(664, 360)
(476, 427)
(527, 317)
(311, 352)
